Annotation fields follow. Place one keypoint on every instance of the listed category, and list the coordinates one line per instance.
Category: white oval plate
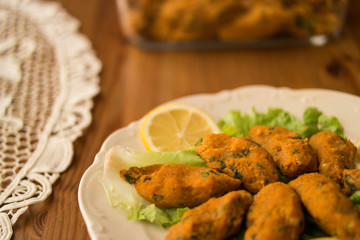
(105, 222)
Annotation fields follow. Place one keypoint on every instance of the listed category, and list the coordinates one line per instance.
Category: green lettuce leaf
(236, 123)
(355, 198)
(121, 194)
(162, 216)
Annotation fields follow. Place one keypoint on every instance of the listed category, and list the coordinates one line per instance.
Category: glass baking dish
(196, 24)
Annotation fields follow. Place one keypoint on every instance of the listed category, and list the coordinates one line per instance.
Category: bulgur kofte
(276, 213)
(216, 219)
(178, 185)
(335, 154)
(329, 207)
(292, 154)
(240, 158)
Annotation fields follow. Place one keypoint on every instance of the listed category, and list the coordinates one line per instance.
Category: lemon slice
(174, 127)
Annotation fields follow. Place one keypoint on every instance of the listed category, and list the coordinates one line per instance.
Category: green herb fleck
(237, 155)
(205, 174)
(245, 152)
(283, 228)
(147, 179)
(259, 165)
(297, 151)
(157, 197)
(212, 159)
(223, 164)
(351, 186)
(284, 178)
(236, 175)
(216, 173)
(129, 178)
(339, 152)
(199, 142)
(187, 217)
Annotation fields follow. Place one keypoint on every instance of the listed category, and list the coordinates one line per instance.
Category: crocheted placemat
(48, 76)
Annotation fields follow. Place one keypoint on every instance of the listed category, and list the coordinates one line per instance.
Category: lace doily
(48, 76)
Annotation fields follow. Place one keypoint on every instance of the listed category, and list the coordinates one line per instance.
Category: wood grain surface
(134, 81)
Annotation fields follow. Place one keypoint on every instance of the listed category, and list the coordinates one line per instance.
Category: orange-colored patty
(216, 219)
(179, 185)
(335, 154)
(329, 207)
(276, 213)
(292, 154)
(240, 158)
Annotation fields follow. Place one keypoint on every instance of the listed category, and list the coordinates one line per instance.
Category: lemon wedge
(174, 127)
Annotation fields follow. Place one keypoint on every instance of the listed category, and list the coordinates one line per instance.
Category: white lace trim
(48, 76)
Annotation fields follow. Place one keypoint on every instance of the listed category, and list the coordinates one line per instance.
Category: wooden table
(134, 81)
